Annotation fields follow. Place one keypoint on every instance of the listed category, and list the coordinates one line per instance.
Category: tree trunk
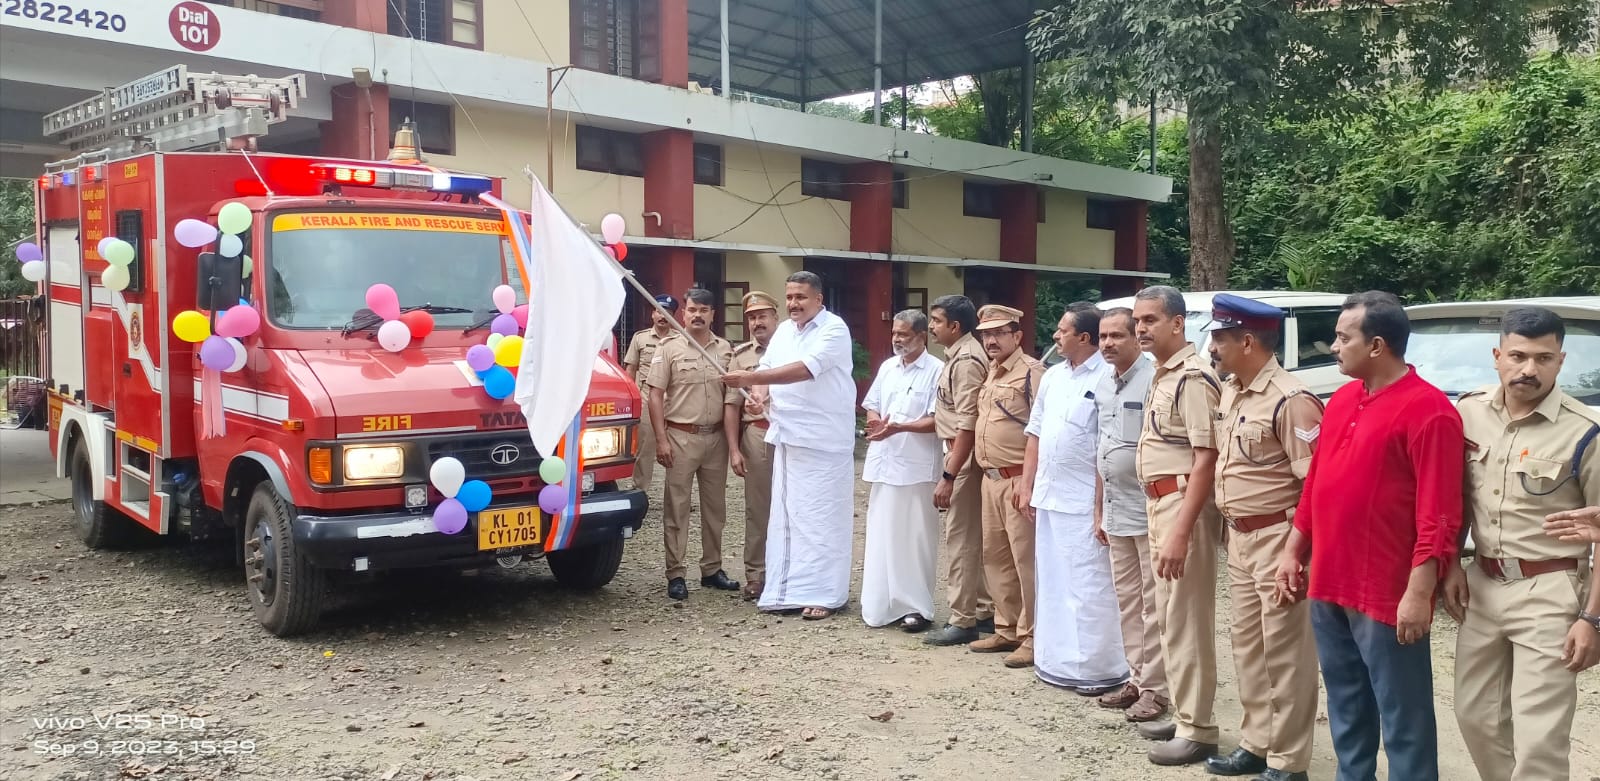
(1210, 236)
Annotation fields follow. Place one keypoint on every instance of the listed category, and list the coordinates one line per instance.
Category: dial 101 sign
(194, 26)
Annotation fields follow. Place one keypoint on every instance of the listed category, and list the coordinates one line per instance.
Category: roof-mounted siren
(407, 148)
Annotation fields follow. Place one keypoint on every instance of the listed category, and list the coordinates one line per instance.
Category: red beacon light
(387, 178)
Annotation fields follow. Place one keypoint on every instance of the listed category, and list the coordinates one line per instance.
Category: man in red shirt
(1379, 517)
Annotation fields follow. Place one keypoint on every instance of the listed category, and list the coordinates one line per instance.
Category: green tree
(1234, 62)
(16, 226)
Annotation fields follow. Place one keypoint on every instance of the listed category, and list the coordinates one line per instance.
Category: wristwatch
(948, 476)
(1593, 621)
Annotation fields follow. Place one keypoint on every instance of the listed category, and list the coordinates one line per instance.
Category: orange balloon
(620, 250)
(419, 322)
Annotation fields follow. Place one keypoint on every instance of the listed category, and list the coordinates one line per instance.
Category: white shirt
(1121, 404)
(904, 393)
(1065, 421)
(819, 413)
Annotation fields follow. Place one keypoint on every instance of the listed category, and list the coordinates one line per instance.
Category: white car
(1451, 343)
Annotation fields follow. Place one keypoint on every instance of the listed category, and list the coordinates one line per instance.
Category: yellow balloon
(509, 352)
(191, 326)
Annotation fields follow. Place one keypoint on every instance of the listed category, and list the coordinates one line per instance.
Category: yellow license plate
(509, 527)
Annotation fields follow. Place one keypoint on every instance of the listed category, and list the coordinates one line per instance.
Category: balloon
(610, 251)
(249, 266)
(480, 358)
(240, 355)
(553, 470)
(230, 246)
(118, 252)
(474, 495)
(193, 233)
(191, 326)
(505, 325)
(553, 499)
(509, 353)
(447, 474)
(418, 322)
(383, 301)
(234, 218)
(216, 353)
(239, 321)
(620, 251)
(521, 316)
(494, 340)
(27, 252)
(504, 298)
(450, 517)
(394, 336)
(104, 243)
(35, 270)
(115, 278)
(612, 227)
(499, 383)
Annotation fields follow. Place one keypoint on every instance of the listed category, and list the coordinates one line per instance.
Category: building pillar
(369, 15)
(669, 192)
(672, 36)
(359, 129)
(872, 230)
(1130, 249)
(1019, 243)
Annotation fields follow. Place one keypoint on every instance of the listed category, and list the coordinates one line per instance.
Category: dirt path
(504, 676)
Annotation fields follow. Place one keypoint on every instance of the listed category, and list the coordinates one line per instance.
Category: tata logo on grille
(504, 454)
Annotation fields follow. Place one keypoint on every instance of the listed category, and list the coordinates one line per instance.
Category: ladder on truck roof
(174, 110)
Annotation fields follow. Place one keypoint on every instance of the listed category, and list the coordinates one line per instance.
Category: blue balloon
(499, 382)
(474, 495)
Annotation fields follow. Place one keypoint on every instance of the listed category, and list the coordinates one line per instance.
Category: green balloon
(248, 267)
(119, 252)
(234, 218)
(553, 470)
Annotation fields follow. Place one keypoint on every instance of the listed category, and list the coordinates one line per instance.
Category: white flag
(575, 298)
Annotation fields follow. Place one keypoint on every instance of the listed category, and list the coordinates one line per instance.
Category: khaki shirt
(1178, 416)
(1265, 436)
(1005, 403)
(746, 358)
(692, 384)
(641, 351)
(1519, 471)
(966, 366)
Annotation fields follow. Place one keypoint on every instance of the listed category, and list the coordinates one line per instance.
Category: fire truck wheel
(285, 590)
(587, 568)
(98, 525)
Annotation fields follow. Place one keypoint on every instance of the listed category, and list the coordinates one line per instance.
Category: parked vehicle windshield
(1456, 355)
(320, 265)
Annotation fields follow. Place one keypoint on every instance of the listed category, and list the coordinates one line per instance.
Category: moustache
(1526, 381)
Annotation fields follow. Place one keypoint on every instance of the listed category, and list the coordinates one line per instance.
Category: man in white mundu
(1077, 639)
(803, 383)
(903, 465)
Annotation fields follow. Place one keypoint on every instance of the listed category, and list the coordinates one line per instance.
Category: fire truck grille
(489, 456)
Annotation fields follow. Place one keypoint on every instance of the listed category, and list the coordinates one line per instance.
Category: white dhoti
(810, 534)
(898, 577)
(1077, 636)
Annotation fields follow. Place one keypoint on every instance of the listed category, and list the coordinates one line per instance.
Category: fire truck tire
(98, 525)
(587, 568)
(285, 590)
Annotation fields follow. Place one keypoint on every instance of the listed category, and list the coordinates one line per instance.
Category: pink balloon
(216, 353)
(521, 315)
(394, 336)
(504, 298)
(480, 358)
(610, 251)
(450, 517)
(612, 227)
(239, 321)
(383, 301)
(505, 325)
(553, 499)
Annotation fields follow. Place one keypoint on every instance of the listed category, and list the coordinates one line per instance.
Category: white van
(1451, 343)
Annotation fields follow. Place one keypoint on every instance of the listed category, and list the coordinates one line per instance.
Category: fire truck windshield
(320, 265)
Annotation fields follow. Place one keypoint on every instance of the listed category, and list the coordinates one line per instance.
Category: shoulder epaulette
(742, 347)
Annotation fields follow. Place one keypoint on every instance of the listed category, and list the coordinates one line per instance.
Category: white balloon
(612, 226)
(230, 245)
(115, 278)
(34, 270)
(394, 336)
(240, 355)
(505, 298)
(447, 474)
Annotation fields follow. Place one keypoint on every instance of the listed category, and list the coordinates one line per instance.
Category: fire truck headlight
(602, 443)
(376, 462)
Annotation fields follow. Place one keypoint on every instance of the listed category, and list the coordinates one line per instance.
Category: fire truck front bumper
(397, 540)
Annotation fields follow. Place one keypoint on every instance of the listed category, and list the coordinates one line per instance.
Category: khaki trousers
(1134, 575)
(701, 458)
(1274, 653)
(1514, 696)
(1008, 561)
(967, 588)
(644, 468)
(757, 501)
(1189, 621)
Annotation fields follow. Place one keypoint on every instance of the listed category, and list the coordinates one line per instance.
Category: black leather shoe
(1239, 763)
(951, 635)
(719, 580)
(1274, 774)
(677, 589)
(985, 626)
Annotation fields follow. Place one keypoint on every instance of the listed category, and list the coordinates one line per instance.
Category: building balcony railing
(297, 9)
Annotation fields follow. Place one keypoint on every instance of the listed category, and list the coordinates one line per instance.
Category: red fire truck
(323, 467)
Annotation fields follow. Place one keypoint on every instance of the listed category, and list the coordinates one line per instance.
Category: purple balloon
(27, 252)
(216, 353)
(505, 325)
(480, 357)
(450, 517)
(553, 499)
(194, 233)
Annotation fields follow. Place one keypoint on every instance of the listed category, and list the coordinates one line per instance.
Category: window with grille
(609, 151)
(1100, 215)
(708, 164)
(294, 9)
(980, 200)
(824, 179)
(456, 22)
(614, 36)
(436, 124)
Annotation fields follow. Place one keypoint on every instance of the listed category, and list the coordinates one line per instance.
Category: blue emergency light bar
(404, 179)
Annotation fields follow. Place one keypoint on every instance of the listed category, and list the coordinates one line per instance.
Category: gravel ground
(148, 664)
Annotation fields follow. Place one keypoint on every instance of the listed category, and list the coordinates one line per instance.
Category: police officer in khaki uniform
(960, 488)
(686, 405)
(1531, 451)
(1005, 404)
(1176, 459)
(749, 454)
(641, 350)
(1265, 434)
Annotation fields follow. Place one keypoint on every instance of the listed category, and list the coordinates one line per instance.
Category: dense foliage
(16, 226)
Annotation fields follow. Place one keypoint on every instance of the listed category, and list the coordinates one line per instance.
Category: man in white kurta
(1076, 639)
(903, 465)
(803, 384)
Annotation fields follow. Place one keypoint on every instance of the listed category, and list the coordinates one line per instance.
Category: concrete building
(732, 189)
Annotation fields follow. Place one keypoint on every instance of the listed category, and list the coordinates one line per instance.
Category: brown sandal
(752, 590)
(1121, 699)
(816, 613)
(1149, 707)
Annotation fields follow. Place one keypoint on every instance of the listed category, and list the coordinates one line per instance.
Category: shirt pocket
(1131, 420)
(1254, 441)
(1539, 476)
(1007, 402)
(688, 370)
(1477, 467)
(912, 405)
